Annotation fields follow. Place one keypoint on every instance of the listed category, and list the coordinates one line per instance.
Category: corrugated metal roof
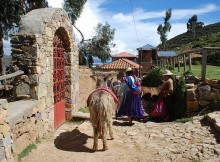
(166, 53)
(147, 47)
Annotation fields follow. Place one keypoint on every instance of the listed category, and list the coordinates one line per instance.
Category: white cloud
(55, 3)
(125, 35)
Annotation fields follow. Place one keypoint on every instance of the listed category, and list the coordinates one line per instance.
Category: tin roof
(121, 64)
(124, 54)
(147, 47)
(166, 53)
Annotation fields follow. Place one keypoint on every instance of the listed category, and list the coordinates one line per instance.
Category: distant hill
(208, 36)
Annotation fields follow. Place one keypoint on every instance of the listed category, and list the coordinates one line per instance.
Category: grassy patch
(212, 72)
(84, 109)
(26, 151)
(184, 120)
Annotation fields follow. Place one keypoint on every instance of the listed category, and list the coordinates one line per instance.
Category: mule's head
(103, 82)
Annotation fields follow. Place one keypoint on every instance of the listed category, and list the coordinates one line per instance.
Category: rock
(211, 81)
(203, 103)
(205, 88)
(4, 129)
(2, 153)
(151, 90)
(4, 104)
(209, 96)
(22, 89)
(192, 106)
(190, 86)
(192, 94)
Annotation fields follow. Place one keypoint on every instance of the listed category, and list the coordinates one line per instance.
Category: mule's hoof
(112, 138)
(105, 148)
(94, 149)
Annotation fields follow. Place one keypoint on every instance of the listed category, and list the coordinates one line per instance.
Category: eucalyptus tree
(98, 46)
(163, 29)
(193, 25)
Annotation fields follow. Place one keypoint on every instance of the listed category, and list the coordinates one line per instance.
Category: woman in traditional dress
(131, 100)
(167, 92)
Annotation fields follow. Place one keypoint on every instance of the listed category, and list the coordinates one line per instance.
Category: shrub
(179, 108)
(153, 78)
(26, 151)
(188, 72)
(196, 63)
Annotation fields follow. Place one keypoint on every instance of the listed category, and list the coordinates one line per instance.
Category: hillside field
(212, 72)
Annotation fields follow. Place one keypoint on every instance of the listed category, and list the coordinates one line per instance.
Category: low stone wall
(202, 94)
(21, 123)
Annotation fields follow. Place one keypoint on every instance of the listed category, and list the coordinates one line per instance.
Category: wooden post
(174, 63)
(164, 63)
(204, 63)
(184, 61)
(178, 59)
(190, 61)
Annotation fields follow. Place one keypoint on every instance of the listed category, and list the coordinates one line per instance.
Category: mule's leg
(104, 138)
(96, 136)
(110, 129)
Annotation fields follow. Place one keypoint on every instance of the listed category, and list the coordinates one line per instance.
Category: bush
(153, 79)
(179, 109)
(188, 72)
(196, 63)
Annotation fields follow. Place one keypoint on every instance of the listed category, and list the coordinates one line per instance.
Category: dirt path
(141, 142)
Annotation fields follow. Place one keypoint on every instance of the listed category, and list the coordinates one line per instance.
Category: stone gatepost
(32, 52)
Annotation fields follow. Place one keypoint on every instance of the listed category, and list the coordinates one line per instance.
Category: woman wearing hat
(131, 100)
(167, 92)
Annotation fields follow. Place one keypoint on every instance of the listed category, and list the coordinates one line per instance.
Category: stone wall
(6, 142)
(21, 124)
(202, 94)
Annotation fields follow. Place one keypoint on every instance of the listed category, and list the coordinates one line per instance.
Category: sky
(136, 21)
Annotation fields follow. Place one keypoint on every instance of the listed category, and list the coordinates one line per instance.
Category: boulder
(151, 90)
(192, 94)
(190, 85)
(192, 106)
(205, 88)
(203, 103)
(209, 96)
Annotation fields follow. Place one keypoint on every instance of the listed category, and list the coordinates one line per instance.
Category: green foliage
(171, 68)
(208, 35)
(153, 79)
(214, 57)
(163, 29)
(193, 25)
(84, 109)
(188, 72)
(99, 46)
(212, 72)
(26, 151)
(74, 8)
(196, 63)
(179, 109)
(184, 120)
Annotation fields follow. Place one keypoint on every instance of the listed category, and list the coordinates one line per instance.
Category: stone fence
(21, 123)
(202, 94)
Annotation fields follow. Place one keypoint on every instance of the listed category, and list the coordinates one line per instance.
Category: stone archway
(32, 52)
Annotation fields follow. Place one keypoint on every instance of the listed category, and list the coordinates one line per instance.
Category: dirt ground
(142, 142)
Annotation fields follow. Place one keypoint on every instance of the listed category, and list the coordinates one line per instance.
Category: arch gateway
(45, 49)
